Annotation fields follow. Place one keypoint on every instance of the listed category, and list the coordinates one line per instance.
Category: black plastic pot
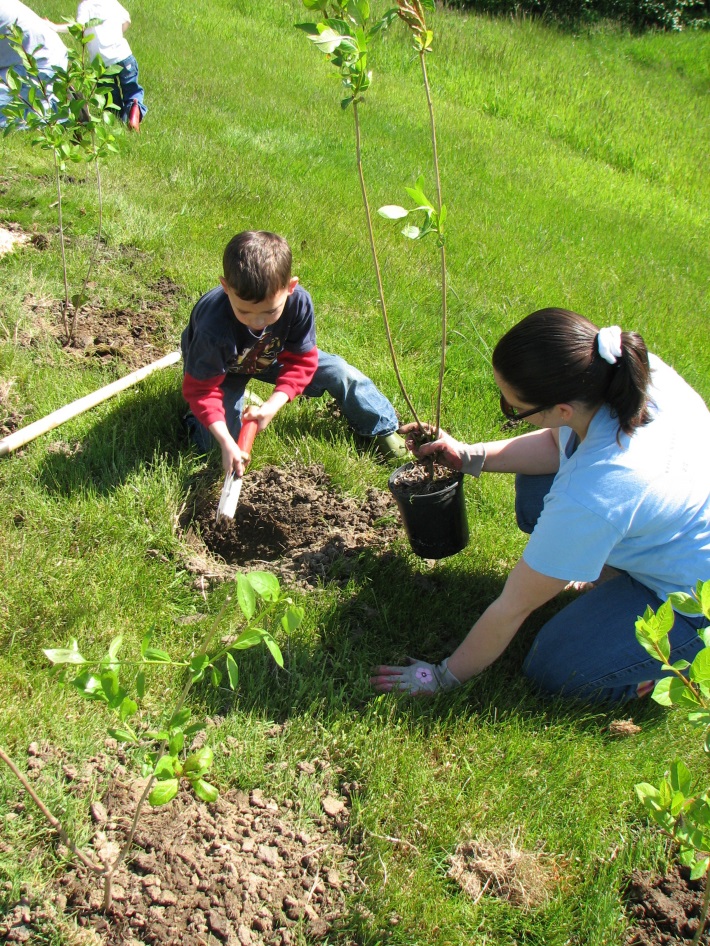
(435, 522)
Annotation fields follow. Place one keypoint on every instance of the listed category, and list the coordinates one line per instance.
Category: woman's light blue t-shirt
(639, 503)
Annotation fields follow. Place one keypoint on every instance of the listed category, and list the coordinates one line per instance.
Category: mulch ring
(134, 335)
(664, 910)
(242, 872)
(291, 521)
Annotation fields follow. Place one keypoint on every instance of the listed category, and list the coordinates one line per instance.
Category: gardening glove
(466, 458)
(418, 679)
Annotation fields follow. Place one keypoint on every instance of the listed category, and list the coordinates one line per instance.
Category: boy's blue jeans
(366, 409)
(126, 88)
(589, 649)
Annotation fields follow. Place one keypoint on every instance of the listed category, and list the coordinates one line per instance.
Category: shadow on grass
(398, 610)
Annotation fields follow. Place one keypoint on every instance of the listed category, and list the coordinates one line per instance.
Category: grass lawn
(575, 173)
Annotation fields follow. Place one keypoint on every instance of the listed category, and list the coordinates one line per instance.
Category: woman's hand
(418, 679)
(461, 457)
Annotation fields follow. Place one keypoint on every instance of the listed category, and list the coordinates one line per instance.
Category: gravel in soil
(664, 910)
(242, 872)
(292, 521)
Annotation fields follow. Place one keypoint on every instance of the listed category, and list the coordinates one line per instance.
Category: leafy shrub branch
(679, 804)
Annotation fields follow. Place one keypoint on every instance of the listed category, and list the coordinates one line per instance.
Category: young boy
(259, 323)
(106, 40)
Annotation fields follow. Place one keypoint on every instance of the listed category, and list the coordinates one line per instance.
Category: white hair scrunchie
(609, 343)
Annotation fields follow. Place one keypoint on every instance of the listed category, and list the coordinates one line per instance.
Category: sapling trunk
(97, 244)
(65, 306)
(442, 247)
(378, 274)
(99, 869)
(702, 920)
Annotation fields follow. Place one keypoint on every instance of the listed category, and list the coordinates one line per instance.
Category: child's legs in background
(128, 89)
(366, 409)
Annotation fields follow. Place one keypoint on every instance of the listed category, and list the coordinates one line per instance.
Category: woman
(618, 474)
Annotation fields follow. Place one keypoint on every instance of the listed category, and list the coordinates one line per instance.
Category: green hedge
(639, 14)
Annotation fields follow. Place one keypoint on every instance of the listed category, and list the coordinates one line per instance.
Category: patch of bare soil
(522, 878)
(664, 910)
(12, 235)
(291, 520)
(240, 872)
(10, 417)
(135, 335)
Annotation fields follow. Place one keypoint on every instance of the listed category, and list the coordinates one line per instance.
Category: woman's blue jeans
(366, 409)
(589, 650)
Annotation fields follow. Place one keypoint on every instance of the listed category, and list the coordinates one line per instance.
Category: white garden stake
(25, 434)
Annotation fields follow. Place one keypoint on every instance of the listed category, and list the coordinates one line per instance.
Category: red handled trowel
(233, 483)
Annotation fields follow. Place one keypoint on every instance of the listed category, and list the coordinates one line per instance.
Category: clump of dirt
(292, 520)
(419, 479)
(240, 872)
(134, 335)
(520, 877)
(665, 910)
(10, 417)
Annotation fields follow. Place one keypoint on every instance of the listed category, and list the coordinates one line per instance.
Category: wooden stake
(25, 434)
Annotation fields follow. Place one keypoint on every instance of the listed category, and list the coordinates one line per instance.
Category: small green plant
(345, 34)
(679, 804)
(71, 116)
(120, 686)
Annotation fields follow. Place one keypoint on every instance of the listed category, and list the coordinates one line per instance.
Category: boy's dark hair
(552, 357)
(257, 264)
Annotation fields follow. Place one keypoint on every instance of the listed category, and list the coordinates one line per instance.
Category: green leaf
(700, 868)
(198, 665)
(680, 778)
(109, 683)
(180, 718)
(274, 649)
(140, 684)
(165, 768)
(661, 692)
(700, 667)
(292, 618)
(232, 671)
(127, 708)
(411, 232)
(145, 642)
(156, 656)
(199, 762)
(703, 592)
(246, 597)
(684, 603)
(204, 790)
(65, 655)
(163, 792)
(125, 734)
(216, 676)
(442, 219)
(265, 585)
(176, 742)
(249, 638)
(393, 212)
(110, 661)
(326, 40)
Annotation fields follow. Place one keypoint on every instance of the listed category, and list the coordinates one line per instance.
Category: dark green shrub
(638, 14)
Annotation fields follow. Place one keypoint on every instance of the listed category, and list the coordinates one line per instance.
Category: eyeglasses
(514, 417)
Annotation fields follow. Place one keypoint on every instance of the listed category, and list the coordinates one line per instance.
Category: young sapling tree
(680, 803)
(119, 685)
(71, 116)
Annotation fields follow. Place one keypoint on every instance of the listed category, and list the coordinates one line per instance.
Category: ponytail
(554, 356)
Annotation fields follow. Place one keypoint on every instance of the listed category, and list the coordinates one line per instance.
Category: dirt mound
(665, 910)
(135, 335)
(240, 872)
(291, 520)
